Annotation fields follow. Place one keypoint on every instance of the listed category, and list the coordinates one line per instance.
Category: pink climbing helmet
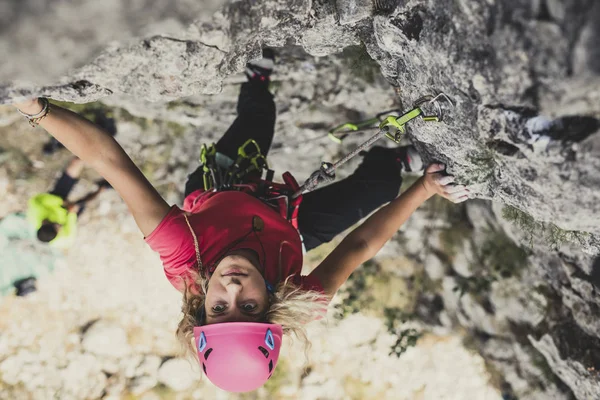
(238, 356)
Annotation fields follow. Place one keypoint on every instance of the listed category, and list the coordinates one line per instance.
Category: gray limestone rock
(48, 38)
(142, 384)
(498, 62)
(581, 379)
(512, 301)
(352, 11)
(178, 374)
(106, 339)
(434, 267)
(501, 63)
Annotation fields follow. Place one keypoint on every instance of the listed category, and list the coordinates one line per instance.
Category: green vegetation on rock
(553, 235)
(405, 338)
(497, 258)
(360, 63)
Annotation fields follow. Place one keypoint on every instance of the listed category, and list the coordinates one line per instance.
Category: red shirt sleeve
(173, 242)
(309, 282)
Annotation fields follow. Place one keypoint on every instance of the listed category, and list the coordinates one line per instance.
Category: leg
(69, 178)
(255, 120)
(81, 203)
(329, 211)
(574, 128)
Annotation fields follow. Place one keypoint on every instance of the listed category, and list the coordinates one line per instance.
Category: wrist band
(35, 119)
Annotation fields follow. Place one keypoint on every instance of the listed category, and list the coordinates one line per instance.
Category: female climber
(232, 251)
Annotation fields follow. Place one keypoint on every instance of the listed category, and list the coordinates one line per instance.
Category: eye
(249, 307)
(218, 308)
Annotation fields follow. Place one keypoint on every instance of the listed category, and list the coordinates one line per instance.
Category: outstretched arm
(366, 240)
(101, 152)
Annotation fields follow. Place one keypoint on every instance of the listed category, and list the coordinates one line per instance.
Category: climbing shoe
(260, 70)
(537, 131)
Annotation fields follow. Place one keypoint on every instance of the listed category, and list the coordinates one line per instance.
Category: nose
(234, 286)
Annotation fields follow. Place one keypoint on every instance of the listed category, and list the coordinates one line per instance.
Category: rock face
(106, 339)
(530, 311)
(499, 62)
(178, 374)
(521, 125)
(67, 34)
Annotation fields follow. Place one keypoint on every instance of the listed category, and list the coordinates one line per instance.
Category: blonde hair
(290, 306)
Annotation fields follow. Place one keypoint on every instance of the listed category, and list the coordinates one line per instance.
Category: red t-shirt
(226, 221)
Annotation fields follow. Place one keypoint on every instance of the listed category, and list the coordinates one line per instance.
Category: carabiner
(398, 123)
(350, 127)
(245, 154)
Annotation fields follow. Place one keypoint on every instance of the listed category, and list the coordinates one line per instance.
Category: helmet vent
(264, 351)
(270, 366)
(202, 342)
(207, 353)
(269, 340)
(204, 367)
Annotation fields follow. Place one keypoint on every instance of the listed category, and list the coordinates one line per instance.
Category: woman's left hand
(435, 182)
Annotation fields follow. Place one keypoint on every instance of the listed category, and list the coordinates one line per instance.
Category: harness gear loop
(208, 161)
(385, 129)
(250, 159)
(256, 157)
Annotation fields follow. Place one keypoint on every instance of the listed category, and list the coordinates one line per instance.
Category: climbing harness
(217, 177)
(391, 127)
(245, 174)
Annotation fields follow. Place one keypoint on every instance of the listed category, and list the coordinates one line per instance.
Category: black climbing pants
(327, 211)
(255, 120)
(63, 187)
(332, 209)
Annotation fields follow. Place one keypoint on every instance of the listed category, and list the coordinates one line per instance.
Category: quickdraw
(342, 131)
(391, 127)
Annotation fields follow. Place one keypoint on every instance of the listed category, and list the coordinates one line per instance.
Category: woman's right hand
(31, 106)
(102, 152)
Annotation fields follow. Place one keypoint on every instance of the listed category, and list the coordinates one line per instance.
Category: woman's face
(236, 290)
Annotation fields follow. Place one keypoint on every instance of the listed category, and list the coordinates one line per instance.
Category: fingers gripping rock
(445, 180)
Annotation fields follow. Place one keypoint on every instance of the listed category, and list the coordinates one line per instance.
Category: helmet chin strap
(270, 288)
